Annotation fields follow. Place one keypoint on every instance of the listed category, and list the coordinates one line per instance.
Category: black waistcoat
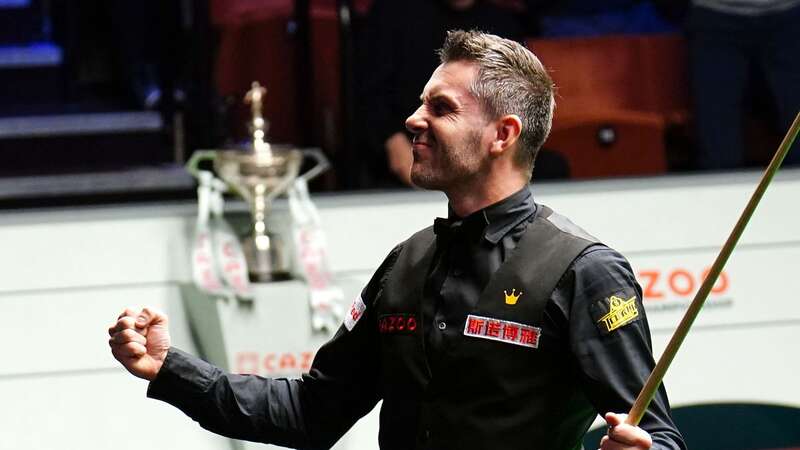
(492, 393)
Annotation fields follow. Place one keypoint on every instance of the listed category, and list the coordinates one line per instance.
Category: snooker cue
(657, 375)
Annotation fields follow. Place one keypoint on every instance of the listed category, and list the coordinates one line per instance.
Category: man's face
(451, 133)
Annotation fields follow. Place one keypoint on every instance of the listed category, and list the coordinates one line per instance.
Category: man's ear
(508, 129)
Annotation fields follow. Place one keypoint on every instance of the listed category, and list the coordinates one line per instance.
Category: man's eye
(441, 108)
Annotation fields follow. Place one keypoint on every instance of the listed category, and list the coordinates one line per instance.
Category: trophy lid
(258, 157)
(256, 163)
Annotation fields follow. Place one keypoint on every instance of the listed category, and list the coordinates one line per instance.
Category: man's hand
(622, 436)
(399, 156)
(140, 340)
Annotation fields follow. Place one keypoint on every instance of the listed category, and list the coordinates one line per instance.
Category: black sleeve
(610, 340)
(311, 412)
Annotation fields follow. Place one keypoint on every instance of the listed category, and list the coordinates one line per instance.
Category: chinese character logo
(502, 331)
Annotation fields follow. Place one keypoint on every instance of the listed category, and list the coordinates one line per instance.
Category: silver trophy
(259, 172)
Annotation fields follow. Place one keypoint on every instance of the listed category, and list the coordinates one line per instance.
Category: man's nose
(416, 122)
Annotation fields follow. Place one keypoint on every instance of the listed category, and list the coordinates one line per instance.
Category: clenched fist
(623, 436)
(140, 340)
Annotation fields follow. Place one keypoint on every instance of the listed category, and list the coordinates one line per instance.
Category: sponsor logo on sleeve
(502, 331)
(354, 313)
(615, 312)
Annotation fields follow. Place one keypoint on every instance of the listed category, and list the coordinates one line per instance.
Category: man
(502, 327)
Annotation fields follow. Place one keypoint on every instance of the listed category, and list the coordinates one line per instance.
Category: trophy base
(270, 264)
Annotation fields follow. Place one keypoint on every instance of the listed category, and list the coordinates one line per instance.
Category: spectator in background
(399, 48)
(558, 18)
(727, 40)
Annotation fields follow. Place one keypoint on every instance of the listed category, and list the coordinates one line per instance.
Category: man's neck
(468, 199)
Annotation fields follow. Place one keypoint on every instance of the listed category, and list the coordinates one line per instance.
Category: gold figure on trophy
(258, 126)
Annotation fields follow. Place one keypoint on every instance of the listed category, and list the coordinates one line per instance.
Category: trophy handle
(322, 163)
(193, 165)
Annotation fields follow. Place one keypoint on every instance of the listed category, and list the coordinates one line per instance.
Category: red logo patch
(503, 331)
(397, 323)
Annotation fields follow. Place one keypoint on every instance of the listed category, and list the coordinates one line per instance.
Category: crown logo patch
(511, 299)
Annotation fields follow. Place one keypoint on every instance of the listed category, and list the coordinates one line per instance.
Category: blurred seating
(258, 42)
(255, 44)
(615, 98)
(326, 76)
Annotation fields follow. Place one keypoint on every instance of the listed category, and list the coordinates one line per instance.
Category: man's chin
(419, 180)
(425, 181)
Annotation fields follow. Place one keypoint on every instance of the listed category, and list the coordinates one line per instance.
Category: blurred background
(667, 111)
(103, 101)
